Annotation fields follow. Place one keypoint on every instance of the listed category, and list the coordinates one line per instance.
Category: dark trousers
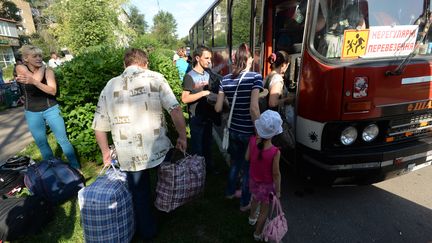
(202, 139)
(139, 186)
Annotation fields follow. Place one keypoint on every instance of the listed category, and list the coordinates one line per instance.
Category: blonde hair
(26, 50)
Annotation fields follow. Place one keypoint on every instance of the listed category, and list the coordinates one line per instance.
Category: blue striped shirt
(241, 121)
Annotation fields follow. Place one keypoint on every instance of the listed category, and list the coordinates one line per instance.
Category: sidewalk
(14, 134)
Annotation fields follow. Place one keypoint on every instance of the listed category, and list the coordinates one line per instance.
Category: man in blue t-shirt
(195, 92)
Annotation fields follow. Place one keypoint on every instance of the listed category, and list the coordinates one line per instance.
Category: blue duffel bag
(54, 180)
(106, 209)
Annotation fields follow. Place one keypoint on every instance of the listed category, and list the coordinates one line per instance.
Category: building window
(6, 57)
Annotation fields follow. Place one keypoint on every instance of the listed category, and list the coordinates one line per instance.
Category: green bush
(81, 81)
(8, 73)
(161, 61)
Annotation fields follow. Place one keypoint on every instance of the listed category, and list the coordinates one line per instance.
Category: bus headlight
(348, 136)
(370, 133)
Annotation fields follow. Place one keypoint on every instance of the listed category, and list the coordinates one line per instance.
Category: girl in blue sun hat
(264, 173)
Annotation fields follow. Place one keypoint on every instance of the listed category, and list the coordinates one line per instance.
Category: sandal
(257, 237)
(252, 221)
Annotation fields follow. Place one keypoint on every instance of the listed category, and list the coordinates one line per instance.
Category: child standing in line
(264, 174)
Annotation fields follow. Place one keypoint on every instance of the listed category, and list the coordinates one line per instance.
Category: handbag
(275, 228)
(225, 139)
(179, 181)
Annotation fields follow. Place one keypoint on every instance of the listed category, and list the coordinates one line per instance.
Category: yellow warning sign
(355, 43)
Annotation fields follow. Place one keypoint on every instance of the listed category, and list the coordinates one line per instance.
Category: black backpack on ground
(23, 216)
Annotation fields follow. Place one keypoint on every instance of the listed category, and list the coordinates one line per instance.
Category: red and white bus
(360, 71)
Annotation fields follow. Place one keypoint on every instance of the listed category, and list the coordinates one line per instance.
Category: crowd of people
(252, 154)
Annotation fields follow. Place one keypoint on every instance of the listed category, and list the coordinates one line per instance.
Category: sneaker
(257, 237)
(245, 208)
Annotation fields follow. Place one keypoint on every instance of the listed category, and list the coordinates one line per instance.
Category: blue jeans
(201, 139)
(37, 121)
(139, 186)
(238, 144)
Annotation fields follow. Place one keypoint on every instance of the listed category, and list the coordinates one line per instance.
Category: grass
(209, 218)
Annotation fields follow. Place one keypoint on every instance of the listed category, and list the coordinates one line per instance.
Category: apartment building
(27, 26)
(8, 41)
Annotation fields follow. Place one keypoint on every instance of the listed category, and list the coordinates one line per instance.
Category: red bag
(179, 182)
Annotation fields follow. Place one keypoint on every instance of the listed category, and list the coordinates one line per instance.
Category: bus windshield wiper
(399, 69)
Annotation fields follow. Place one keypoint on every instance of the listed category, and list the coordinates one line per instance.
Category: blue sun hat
(269, 124)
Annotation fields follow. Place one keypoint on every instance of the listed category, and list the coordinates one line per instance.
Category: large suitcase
(23, 216)
(54, 180)
(106, 209)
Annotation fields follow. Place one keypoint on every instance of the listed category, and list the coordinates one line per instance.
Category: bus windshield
(354, 29)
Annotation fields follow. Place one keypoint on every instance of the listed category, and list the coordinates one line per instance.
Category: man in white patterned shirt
(131, 108)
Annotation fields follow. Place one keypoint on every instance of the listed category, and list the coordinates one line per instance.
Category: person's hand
(106, 157)
(181, 144)
(205, 92)
(24, 79)
(278, 194)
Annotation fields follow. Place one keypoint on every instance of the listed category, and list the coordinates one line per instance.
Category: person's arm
(274, 93)
(102, 141)
(254, 106)
(180, 125)
(187, 97)
(247, 155)
(25, 73)
(277, 174)
(50, 87)
(219, 101)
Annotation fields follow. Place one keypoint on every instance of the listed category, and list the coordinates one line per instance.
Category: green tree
(164, 29)
(137, 21)
(46, 41)
(79, 24)
(9, 10)
(241, 22)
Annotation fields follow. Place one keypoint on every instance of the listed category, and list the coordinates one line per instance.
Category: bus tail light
(358, 106)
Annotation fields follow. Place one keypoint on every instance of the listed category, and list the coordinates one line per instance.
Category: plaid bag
(106, 209)
(179, 182)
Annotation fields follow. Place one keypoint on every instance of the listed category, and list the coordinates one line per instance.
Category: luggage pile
(51, 182)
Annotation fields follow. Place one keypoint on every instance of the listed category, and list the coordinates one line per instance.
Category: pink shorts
(261, 190)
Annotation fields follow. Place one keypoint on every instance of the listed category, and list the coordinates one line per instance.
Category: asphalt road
(396, 210)
(14, 133)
